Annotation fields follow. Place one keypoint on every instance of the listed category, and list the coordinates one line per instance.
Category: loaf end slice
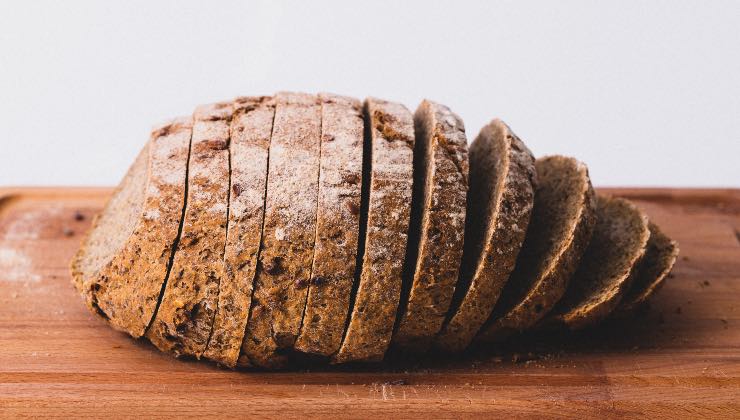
(560, 228)
(124, 258)
(388, 167)
(337, 226)
(284, 270)
(250, 130)
(655, 266)
(437, 225)
(184, 318)
(502, 184)
(608, 266)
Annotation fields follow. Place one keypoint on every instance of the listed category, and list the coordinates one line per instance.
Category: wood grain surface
(679, 359)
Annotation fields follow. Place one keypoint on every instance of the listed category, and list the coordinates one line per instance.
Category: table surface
(680, 358)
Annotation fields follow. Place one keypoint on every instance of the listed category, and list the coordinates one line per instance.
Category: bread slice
(123, 261)
(437, 225)
(337, 226)
(658, 261)
(502, 184)
(183, 320)
(250, 130)
(561, 226)
(608, 266)
(284, 272)
(387, 187)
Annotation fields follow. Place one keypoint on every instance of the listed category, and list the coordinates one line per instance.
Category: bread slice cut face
(609, 264)
(388, 164)
(503, 179)
(437, 225)
(561, 226)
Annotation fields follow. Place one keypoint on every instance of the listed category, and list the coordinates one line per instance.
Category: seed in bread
(500, 200)
(658, 261)
(123, 261)
(389, 176)
(437, 225)
(559, 230)
(251, 127)
(284, 270)
(337, 226)
(608, 266)
(184, 318)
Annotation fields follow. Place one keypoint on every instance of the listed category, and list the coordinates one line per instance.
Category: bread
(437, 225)
(559, 231)
(183, 320)
(279, 296)
(389, 178)
(250, 130)
(270, 232)
(124, 259)
(500, 200)
(660, 255)
(337, 226)
(609, 264)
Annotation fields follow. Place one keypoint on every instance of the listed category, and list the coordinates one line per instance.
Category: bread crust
(125, 290)
(376, 301)
(183, 321)
(337, 226)
(250, 131)
(609, 265)
(500, 201)
(284, 270)
(555, 263)
(437, 225)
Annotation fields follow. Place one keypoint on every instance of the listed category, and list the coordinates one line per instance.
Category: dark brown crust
(185, 315)
(654, 268)
(437, 225)
(126, 290)
(284, 270)
(609, 265)
(376, 302)
(337, 226)
(251, 127)
(502, 183)
(546, 289)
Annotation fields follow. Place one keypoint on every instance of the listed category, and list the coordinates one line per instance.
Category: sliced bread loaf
(251, 127)
(654, 267)
(608, 265)
(560, 228)
(183, 320)
(502, 183)
(123, 261)
(387, 187)
(337, 226)
(284, 270)
(437, 225)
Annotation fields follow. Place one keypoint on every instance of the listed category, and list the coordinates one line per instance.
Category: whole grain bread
(389, 148)
(502, 184)
(265, 230)
(608, 267)
(284, 271)
(560, 228)
(337, 226)
(123, 260)
(250, 130)
(437, 225)
(660, 255)
(183, 320)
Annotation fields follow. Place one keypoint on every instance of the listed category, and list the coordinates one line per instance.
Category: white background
(645, 92)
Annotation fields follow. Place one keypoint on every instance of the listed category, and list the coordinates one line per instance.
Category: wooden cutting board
(681, 358)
